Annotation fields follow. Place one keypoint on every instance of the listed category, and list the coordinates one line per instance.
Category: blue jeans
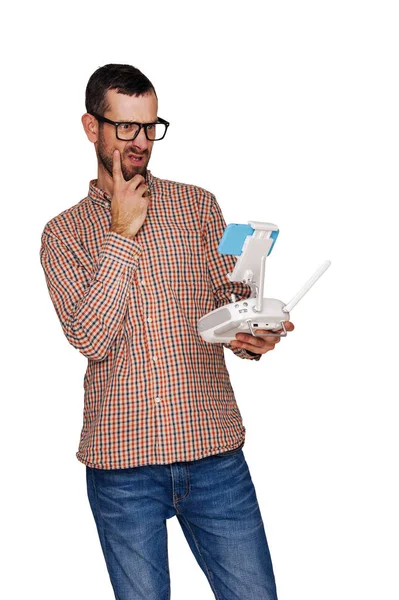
(215, 502)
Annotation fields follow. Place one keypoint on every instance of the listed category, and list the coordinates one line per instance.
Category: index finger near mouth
(116, 163)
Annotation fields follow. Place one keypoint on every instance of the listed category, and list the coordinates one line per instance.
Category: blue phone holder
(234, 237)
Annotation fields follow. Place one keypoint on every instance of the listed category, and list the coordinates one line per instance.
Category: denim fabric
(215, 502)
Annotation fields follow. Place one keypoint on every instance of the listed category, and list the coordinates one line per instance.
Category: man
(130, 270)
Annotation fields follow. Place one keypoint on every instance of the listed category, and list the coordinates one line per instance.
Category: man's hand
(259, 345)
(129, 202)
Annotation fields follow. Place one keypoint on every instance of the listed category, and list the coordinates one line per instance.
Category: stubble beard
(106, 161)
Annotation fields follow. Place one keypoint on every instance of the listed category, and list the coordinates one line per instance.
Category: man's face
(142, 109)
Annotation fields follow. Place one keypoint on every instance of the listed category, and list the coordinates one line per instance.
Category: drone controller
(252, 244)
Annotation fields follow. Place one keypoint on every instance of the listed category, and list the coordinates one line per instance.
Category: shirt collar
(102, 197)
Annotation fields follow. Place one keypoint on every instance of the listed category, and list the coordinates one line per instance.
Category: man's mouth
(135, 158)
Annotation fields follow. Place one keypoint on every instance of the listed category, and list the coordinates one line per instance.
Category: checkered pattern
(154, 391)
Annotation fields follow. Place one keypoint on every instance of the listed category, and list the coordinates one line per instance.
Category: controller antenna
(288, 307)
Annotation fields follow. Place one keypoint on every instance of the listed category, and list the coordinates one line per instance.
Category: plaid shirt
(154, 391)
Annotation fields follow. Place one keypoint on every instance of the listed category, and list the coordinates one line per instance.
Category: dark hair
(125, 78)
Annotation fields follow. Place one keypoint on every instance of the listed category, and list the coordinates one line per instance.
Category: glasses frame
(159, 121)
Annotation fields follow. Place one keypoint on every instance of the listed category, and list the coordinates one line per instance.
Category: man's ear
(90, 125)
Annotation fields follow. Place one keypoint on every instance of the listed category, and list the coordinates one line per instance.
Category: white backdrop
(287, 112)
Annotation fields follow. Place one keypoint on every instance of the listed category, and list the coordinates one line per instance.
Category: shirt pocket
(186, 266)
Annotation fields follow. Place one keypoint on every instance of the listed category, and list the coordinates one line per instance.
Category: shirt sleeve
(91, 305)
(219, 266)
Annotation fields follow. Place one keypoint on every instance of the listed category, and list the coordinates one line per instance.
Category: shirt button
(149, 320)
(142, 282)
(154, 358)
(157, 399)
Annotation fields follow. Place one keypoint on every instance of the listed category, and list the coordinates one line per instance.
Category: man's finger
(137, 181)
(289, 326)
(116, 165)
(266, 334)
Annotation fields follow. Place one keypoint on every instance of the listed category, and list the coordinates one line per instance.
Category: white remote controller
(222, 324)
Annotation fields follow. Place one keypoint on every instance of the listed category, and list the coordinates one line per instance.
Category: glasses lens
(156, 131)
(127, 131)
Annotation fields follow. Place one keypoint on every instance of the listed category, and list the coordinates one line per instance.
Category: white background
(287, 112)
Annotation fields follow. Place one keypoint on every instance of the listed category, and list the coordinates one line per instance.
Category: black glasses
(129, 130)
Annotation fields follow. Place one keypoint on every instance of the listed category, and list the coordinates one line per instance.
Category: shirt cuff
(243, 353)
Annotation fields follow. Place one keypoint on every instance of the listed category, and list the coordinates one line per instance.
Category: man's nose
(141, 142)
